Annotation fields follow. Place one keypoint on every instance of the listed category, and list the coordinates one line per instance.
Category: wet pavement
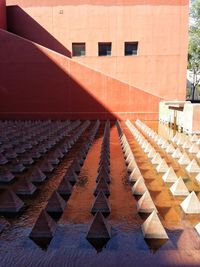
(127, 247)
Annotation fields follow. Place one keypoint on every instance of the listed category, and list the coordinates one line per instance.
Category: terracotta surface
(159, 67)
(3, 14)
(39, 83)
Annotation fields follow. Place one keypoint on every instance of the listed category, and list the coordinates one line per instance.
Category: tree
(194, 45)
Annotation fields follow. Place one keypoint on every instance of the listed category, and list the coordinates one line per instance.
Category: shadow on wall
(20, 23)
(36, 84)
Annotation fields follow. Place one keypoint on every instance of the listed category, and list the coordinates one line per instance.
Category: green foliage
(194, 42)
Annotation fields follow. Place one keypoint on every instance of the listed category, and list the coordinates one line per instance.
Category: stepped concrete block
(191, 204)
(152, 228)
(146, 204)
(162, 167)
(170, 176)
(179, 188)
(193, 167)
(139, 188)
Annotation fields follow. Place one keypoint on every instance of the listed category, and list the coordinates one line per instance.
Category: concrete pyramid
(148, 148)
(175, 138)
(160, 141)
(127, 152)
(134, 176)
(102, 186)
(71, 176)
(145, 204)
(177, 154)
(105, 175)
(56, 204)
(184, 159)
(44, 227)
(187, 144)
(25, 188)
(131, 166)
(129, 158)
(104, 167)
(193, 167)
(197, 228)
(99, 228)
(180, 141)
(37, 176)
(162, 167)
(145, 144)
(194, 138)
(194, 149)
(198, 155)
(165, 145)
(152, 228)
(5, 175)
(46, 166)
(10, 202)
(170, 149)
(65, 188)
(179, 188)
(191, 204)
(151, 153)
(170, 176)
(3, 160)
(156, 159)
(139, 187)
(198, 177)
(101, 204)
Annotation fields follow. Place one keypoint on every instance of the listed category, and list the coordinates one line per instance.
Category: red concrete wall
(3, 14)
(37, 83)
(160, 26)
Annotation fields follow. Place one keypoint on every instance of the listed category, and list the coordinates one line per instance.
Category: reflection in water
(127, 246)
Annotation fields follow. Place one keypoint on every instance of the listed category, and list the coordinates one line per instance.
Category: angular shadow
(37, 83)
(20, 23)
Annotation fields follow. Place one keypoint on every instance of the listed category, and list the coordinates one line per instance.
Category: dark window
(131, 48)
(78, 49)
(105, 49)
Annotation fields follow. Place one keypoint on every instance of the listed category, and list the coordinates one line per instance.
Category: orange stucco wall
(3, 14)
(161, 27)
(38, 83)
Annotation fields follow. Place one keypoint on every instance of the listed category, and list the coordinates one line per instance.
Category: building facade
(140, 44)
